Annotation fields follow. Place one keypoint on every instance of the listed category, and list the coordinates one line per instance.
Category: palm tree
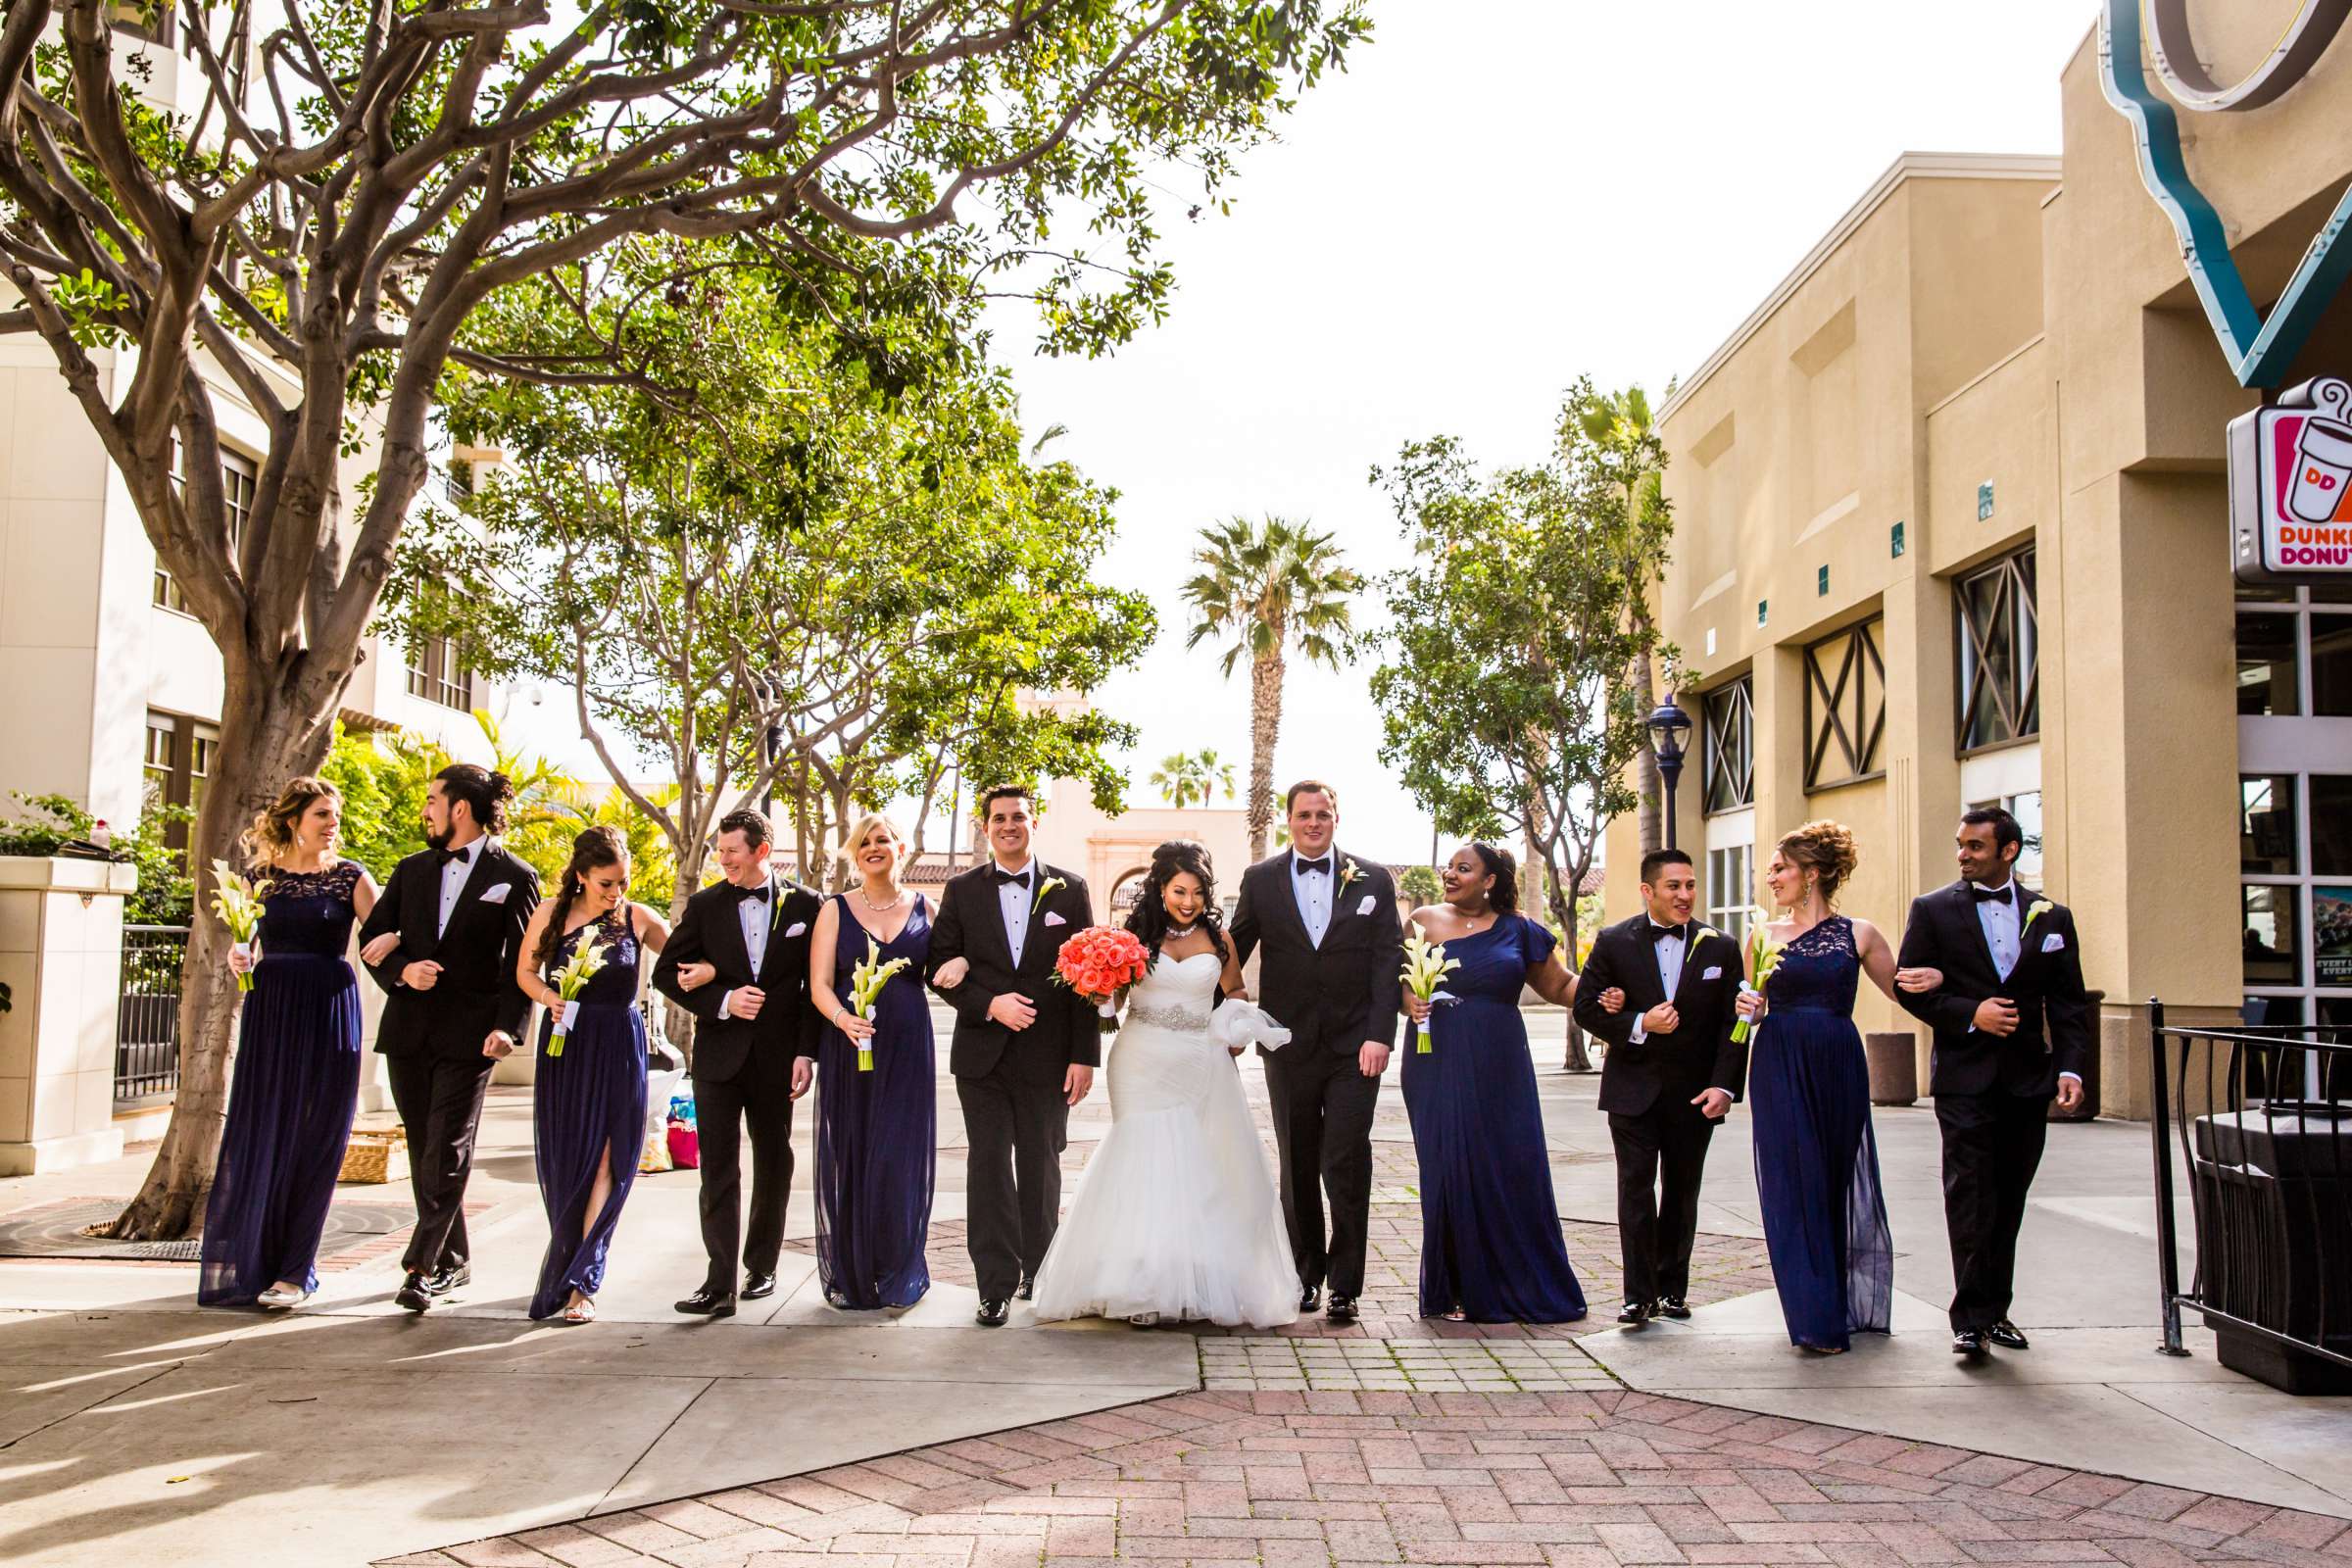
(1269, 585)
(1185, 777)
(1619, 425)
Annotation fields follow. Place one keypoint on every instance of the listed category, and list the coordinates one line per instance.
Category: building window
(2295, 653)
(2026, 808)
(1999, 654)
(437, 671)
(179, 762)
(1731, 746)
(238, 478)
(1729, 892)
(1845, 706)
(2295, 897)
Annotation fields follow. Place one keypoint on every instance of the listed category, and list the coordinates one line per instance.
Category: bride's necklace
(881, 909)
(1176, 930)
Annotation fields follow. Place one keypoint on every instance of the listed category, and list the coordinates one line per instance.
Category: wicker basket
(376, 1156)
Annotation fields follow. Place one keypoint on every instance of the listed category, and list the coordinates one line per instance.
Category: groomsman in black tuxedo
(1025, 1048)
(442, 942)
(738, 961)
(2012, 1029)
(1333, 954)
(1671, 1073)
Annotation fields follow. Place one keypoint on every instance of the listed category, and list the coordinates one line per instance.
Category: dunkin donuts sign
(2290, 485)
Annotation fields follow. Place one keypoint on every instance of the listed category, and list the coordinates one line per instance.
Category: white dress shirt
(2000, 918)
(1313, 891)
(454, 872)
(753, 915)
(1671, 951)
(1017, 899)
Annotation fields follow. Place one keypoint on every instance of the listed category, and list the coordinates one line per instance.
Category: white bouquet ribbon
(1237, 1023)
(570, 1019)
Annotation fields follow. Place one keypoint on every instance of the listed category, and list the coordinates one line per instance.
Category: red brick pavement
(1329, 1480)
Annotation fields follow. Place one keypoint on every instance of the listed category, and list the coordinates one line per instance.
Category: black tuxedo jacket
(1345, 993)
(477, 992)
(2053, 1014)
(1678, 1066)
(971, 926)
(710, 931)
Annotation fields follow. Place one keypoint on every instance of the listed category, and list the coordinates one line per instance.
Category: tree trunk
(1562, 896)
(1645, 762)
(269, 733)
(1265, 727)
(677, 1024)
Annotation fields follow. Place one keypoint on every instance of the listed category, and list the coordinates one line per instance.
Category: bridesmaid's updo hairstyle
(595, 849)
(1150, 918)
(484, 793)
(271, 836)
(1503, 897)
(1826, 850)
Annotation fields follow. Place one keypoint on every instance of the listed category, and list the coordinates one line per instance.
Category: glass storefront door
(2294, 684)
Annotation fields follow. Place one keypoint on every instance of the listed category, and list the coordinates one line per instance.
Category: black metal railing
(2261, 1116)
(147, 1018)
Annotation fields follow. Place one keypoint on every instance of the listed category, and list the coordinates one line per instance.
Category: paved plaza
(136, 1428)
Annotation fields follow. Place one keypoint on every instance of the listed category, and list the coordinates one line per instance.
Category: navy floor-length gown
(293, 1086)
(1490, 1240)
(875, 1131)
(587, 1105)
(1817, 1165)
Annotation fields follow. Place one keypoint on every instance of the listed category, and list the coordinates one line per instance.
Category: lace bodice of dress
(617, 981)
(1817, 969)
(308, 911)
(1178, 993)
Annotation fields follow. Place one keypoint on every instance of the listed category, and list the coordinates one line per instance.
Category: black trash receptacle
(2274, 1192)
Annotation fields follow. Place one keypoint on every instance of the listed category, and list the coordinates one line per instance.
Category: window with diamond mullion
(1730, 746)
(2000, 637)
(1845, 706)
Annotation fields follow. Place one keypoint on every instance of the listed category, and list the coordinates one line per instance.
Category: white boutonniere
(2034, 910)
(1048, 885)
(1348, 873)
(1700, 931)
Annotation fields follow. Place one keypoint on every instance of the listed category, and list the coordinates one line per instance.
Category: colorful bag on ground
(685, 1142)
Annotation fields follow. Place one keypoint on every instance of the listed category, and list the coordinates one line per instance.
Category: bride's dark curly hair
(1150, 918)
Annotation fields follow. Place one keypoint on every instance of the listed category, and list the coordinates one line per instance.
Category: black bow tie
(1007, 878)
(1999, 895)
(1321, 867)
(1659, 933)
(464, 857)
(760, 892)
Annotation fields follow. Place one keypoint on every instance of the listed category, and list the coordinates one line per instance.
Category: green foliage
(383, 778)
(1268, 585)
(1421, 884)
(46, 824)
(1186, 777)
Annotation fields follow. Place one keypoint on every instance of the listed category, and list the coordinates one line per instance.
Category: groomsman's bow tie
(1999, 895)
(1659, 933)
(760, 892)
(1322, 866)
(464, 857)
(1007, 878)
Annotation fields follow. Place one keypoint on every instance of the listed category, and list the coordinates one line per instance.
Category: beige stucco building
(1952, 527)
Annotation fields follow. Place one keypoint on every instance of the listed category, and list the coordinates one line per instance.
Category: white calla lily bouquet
(866, 989)
(238, 903)
(570, 981)
(1426, 967)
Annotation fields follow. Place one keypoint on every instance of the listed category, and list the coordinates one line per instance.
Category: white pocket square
(798, 928)
(1054, 920)
(1714, 973)
(496, 893)
(1365, 908)
(2053, 941)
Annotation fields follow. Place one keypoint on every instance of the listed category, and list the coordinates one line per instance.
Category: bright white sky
(1498, 196)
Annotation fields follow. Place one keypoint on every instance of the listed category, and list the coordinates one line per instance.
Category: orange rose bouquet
(1099, 959)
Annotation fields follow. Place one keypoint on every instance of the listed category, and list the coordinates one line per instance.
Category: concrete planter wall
(61, 955)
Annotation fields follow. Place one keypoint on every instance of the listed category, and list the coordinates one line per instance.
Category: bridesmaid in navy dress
(875, 1131)
(296, 1076)
(587, 1105)
(1490, 1246)
(1808, 1089)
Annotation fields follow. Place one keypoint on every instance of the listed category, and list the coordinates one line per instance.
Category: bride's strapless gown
(1176, 1213)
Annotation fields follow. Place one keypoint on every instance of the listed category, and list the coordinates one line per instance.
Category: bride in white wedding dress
(1177, 1216)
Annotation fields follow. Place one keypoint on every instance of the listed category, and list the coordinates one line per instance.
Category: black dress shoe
(413, 1294)
(754, 1285)
(1028, 1288)
(449, 1278)
(1674, 1307)
(1310, 1297)
(1341, 1310)
(708, 1301)
(1634, 1312)
(992, 1313)
(2007, 1336)
(1969, 1342)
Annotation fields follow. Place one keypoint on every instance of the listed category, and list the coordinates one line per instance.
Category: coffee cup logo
(2322, 456)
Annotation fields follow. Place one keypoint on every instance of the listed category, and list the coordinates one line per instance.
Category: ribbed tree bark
(1265, 727)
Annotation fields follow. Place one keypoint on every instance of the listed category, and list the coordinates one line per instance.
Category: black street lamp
(1669, 727)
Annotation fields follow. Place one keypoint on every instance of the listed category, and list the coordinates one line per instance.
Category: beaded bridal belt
(1169, 1017)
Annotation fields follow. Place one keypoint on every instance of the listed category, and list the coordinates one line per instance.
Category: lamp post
(1669, 726)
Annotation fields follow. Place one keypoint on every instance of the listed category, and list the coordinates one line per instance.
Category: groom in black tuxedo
(755, 1051)
(2012, 1029)
(442, 942)
(1671, 1073)
(1332, 975)
(1025, 1047)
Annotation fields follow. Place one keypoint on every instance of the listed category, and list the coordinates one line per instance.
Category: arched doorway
(1125, 889)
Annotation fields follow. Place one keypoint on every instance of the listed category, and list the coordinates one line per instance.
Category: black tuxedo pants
(1015, 1132)
(1322, 1105)
(440, 1102)
(1656, 1220)
(1992, 1147)
(758, 1096)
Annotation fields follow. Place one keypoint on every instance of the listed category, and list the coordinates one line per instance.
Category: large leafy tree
(1270, 586)
(1503, 687)
(306, 230)
(1614, 432)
